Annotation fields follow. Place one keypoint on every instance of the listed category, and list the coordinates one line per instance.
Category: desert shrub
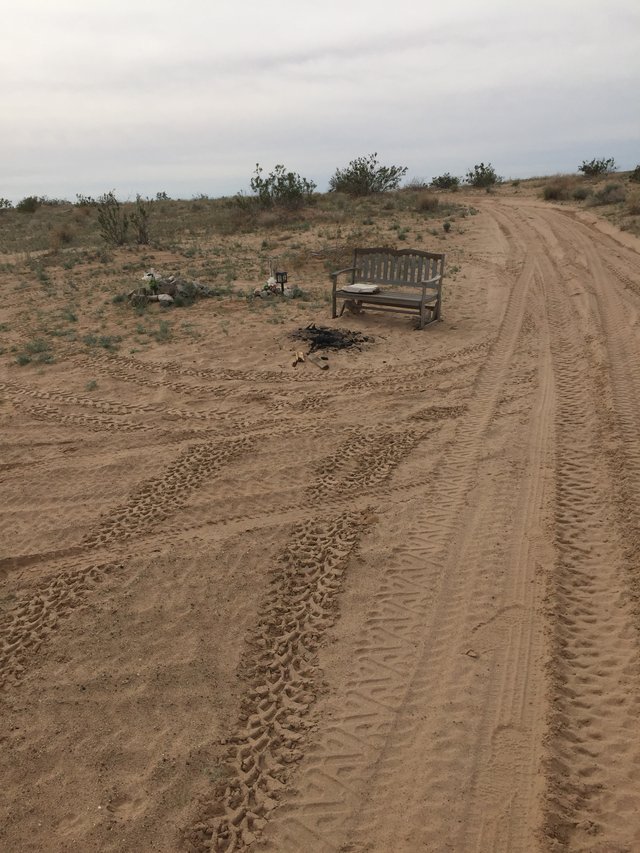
(5, 204)
(60, 236)
(446, 226)
(482, 176)
(29, 204)
(610, 194)
(580, 193)
(598, 166)
(634, 176)
(364, 176)
(557, 190)
(113, 221)
(446, 182)
(428, 202)
(280, 189)
(140, 220)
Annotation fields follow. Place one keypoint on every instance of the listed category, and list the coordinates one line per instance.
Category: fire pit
(320, 337)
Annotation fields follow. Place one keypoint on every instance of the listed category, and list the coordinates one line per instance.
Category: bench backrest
(397, 266)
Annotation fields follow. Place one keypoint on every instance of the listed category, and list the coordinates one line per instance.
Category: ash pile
(321, 337)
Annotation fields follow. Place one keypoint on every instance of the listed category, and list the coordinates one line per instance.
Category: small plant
(163, 332)
(482, 176)
(108, 342)
(113, 221)
(364, 176)
(597, 167)
(446, 226)
(37, 349)
(91, 385)
(446, 182)
(69, 315)
(162, 196)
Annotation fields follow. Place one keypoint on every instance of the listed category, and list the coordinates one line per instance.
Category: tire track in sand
(372, 723)
(594, 762)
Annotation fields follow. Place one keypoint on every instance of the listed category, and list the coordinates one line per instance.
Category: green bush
(5, 204)
(482, 176)
(364, 176)
(29, 204)
(598, 166)
(140, 220)
(446, 182)
(113, 221)
(634, 176)
(280, 189)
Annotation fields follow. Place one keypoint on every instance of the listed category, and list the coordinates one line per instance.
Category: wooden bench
(405, 280)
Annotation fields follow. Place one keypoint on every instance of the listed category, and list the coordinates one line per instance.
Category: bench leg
(333, 304)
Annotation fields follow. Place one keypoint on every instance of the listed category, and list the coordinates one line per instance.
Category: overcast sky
(186, 97)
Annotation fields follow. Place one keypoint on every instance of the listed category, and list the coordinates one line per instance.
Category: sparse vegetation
(635, 174)
(365, 176)
(482, 175)
(597, 167)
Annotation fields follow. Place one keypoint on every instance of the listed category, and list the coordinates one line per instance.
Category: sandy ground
(388, 606)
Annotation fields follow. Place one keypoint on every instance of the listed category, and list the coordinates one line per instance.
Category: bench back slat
(397, 266)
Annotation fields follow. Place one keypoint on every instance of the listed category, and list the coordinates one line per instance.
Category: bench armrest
(334, 275)
(433, 280)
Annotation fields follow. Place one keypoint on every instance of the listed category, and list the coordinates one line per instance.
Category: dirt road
(434, 641)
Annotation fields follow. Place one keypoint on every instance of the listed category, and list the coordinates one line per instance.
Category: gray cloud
(144, 96)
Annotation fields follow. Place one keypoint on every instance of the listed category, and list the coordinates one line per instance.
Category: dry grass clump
(633, 204)
(559, 189)
(427, 203)
(60, 236)
(613, 193)
(581, 193)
